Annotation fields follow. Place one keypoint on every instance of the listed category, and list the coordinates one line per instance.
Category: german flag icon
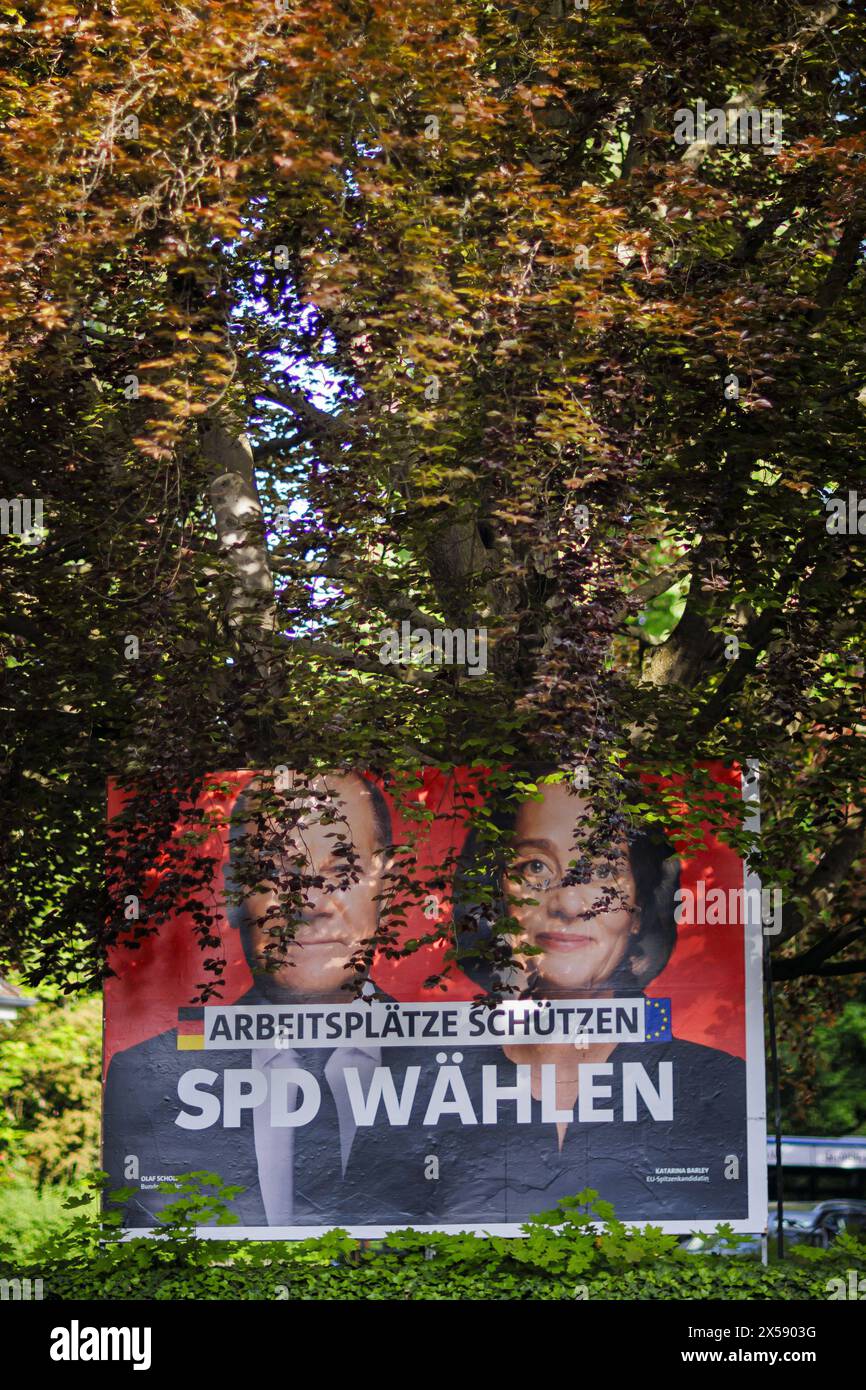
(190, 1030)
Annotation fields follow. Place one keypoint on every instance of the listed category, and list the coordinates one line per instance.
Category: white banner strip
(423, 1025)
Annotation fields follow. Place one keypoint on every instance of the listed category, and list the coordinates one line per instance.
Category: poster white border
(756, 1120)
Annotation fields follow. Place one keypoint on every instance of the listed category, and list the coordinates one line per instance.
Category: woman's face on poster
(581, 927)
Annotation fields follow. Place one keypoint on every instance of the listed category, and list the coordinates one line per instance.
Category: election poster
(441, 1006)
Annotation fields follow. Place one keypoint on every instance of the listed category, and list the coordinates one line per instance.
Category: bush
(50, 1064)
(564, 1255)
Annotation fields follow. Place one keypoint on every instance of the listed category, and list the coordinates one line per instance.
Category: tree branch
(652, 587)
(318, 648)
(380, 591)
(844, 264)
(790, 969)
(697, 152)
(276, 447)
(297, 403)
(250, 610)
(828, 874)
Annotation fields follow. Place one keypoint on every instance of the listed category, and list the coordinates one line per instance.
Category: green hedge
(285, 1275)
(564, 1255)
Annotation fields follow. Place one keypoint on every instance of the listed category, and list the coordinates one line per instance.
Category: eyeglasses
(538, 876)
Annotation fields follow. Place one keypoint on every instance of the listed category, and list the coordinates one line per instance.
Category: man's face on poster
(581, 926)
(317, 900)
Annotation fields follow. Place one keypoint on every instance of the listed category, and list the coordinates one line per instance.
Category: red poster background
(705, 978)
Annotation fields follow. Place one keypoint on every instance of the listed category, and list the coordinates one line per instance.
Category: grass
(28, 1214)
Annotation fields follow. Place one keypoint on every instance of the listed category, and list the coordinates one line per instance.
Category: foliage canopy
(324, 316)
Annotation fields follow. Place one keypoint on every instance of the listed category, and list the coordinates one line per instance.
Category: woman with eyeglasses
(658, 1127)
(560, 909)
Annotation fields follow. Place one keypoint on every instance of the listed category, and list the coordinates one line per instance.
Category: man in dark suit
(307, 930)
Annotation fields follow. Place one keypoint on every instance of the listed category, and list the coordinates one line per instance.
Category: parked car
(803, 1225)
